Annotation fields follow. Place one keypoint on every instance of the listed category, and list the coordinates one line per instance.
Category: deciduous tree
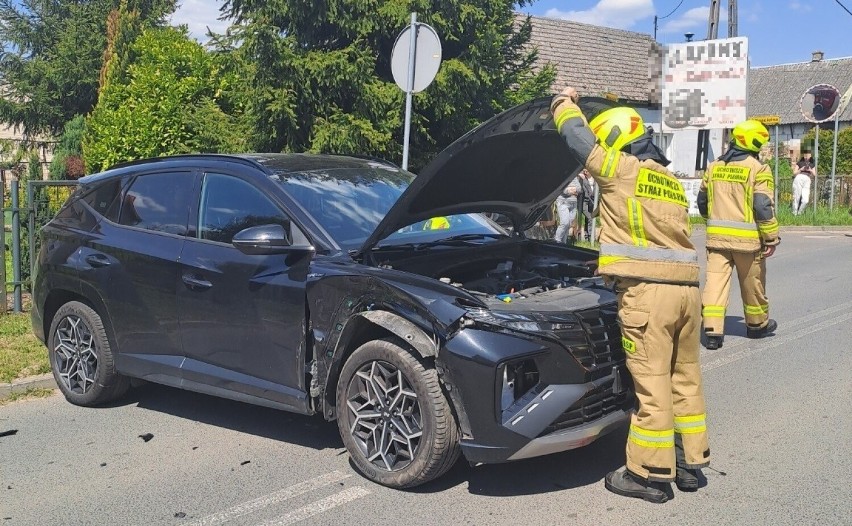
(167, 100)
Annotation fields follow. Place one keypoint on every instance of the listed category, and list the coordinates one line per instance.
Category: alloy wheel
(76, 357)
(384, 415)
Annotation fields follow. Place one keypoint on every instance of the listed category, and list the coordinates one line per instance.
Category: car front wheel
(81, 358)
(394, 418)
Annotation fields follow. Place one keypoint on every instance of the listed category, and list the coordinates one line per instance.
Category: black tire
(437, 448)
(82, 380)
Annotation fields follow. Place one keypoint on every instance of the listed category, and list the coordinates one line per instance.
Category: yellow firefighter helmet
(750, 135)
(618, 127)
(437, 223)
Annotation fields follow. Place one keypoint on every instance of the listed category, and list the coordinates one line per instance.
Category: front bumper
(572, 438)
(571, 404)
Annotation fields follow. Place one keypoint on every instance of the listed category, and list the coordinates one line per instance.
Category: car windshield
(350, 202)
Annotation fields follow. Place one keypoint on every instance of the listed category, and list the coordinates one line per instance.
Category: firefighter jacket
(736, 199)
(643, 208)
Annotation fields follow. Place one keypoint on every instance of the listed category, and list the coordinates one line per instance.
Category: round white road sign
(427, 57)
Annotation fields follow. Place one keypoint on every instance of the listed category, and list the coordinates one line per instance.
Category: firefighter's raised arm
(600, 157)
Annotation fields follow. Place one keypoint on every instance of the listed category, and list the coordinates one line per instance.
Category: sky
(779, 31)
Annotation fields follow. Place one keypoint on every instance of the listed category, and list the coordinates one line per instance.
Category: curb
(19, 386)
(827, 228)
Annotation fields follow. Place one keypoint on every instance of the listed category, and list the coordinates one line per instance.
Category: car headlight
(525, 321)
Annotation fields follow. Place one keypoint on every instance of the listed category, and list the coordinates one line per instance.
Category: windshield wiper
(458, 240)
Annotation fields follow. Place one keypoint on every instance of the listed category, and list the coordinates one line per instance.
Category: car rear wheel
(393, 416)
(82, 361)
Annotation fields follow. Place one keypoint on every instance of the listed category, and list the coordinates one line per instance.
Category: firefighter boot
(762, 332)
(686, 479)
(624, 483)
(713, 342)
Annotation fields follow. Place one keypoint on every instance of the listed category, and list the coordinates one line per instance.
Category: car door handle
(98, 260)
(194, 282)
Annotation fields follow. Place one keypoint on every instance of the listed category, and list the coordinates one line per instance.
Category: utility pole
(732, 18)
(713, 22)
(712, 34)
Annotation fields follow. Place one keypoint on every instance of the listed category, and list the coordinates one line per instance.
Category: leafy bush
(166, 102)
(826, 145)
(67, 157)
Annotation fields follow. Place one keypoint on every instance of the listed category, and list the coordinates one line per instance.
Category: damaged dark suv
(349, 288)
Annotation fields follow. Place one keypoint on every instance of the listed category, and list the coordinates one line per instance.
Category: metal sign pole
(776, 165)
(833, 161)
(816, 167)
(412, 54)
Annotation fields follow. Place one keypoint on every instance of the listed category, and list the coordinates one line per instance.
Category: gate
(21, 217)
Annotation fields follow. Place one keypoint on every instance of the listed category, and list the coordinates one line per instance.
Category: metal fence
(22, 216)
(822, 193)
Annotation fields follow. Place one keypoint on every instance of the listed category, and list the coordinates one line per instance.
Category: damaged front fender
(346, 311)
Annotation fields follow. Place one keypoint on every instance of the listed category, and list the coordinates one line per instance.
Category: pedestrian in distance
(742, 231)
(803, 172)
(646, 252)
(566, 209)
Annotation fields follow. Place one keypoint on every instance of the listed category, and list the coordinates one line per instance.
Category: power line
(843, 6)
(675, 9)
(658, 18)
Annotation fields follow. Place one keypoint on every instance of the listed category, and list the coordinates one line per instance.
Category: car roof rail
(368, 158)
(186, 156)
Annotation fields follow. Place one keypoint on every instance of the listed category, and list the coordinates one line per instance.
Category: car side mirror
(266, 240)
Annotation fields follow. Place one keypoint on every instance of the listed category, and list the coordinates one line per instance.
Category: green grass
(21, 354)
(30, 392)
(586, 244)
(840, 216)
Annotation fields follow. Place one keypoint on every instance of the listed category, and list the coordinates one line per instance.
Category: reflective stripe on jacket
(643, 209)
(740, 211)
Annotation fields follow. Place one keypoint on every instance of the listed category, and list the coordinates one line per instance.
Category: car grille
(600, 326)
(595, 404)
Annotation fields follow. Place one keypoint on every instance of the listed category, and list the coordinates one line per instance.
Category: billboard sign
(705, 84)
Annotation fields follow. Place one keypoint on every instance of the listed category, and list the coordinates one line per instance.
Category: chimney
(817, 56)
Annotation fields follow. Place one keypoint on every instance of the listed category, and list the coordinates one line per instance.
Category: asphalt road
(778, 410)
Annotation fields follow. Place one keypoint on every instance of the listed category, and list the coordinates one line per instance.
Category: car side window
(158, 202)
(229, 205)
(105, 199)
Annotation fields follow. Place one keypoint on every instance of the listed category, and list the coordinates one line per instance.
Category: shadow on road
(308, 431)
(568, 470)
(571, 469)
(735, 326)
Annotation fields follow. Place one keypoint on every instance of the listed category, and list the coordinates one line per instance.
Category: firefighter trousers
(660, 325)
(751, 271)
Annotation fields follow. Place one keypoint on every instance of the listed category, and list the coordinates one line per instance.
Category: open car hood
(515, 164)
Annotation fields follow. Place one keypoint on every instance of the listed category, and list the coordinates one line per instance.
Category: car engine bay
(513, 275)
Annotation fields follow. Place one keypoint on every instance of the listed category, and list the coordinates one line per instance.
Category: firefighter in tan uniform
(645, 249)
(736, 199)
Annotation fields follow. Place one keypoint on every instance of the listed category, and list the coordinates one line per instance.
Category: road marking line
(773, 342)
(319, 506)
(273, 498)
(785, 328)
